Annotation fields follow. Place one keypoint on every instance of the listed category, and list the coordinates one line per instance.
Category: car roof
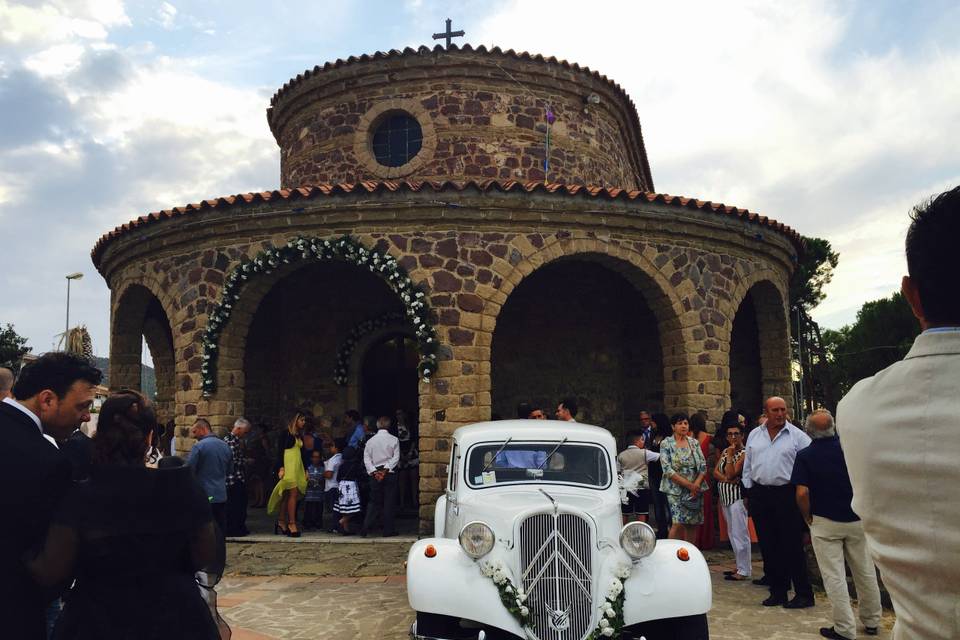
(549, 430)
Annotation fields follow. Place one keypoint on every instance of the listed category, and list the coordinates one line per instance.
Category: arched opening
(759, 350)
(294, 336)
(580, 327)
(139, 318)
(388, 377)
(746, 389)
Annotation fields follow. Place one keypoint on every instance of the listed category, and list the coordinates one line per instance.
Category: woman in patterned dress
(684, 473)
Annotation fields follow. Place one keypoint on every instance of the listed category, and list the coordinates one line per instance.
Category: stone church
(457, 230)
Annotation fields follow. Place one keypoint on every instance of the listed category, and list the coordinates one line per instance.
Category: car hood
(503, 508)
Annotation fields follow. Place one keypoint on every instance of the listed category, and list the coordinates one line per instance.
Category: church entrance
(389, 377)
(579, 328)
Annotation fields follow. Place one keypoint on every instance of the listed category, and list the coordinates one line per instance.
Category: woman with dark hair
(132, 537)
(707, 532)
(684, 470)
(661, 510)
(727, 473)
(292, 481)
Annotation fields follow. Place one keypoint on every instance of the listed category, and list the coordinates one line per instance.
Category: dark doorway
(389, 377)
(746, 384)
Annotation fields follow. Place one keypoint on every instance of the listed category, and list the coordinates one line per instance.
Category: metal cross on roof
(448, 35)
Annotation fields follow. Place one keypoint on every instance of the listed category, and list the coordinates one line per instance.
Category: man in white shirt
(900, 431)
(768, 465)
(381, 455)
(567, 410)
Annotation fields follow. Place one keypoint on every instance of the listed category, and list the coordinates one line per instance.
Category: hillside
(148, 376)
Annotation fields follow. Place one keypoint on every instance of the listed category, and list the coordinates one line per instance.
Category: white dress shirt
(382, 450)
(770, 462)
(900, 432)
(31, 414)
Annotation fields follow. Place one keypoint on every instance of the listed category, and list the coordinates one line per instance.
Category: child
(634, 459)
(313, 502)
(330, 468)
(348, 476)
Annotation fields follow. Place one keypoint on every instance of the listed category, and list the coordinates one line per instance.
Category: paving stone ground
(337, 608)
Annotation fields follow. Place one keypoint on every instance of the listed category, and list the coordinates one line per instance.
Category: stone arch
(359, 354)
(759, 338)
(656, 312)
(248, 283)
(139, 314)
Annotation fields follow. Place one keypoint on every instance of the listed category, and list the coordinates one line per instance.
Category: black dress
(131, 529)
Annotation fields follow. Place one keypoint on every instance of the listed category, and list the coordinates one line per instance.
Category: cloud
(99, 134)
(32, 109)
(765, 106)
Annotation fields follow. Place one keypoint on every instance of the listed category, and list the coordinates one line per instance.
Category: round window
(397, 139)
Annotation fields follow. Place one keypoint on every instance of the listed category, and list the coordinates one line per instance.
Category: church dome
(462, 113)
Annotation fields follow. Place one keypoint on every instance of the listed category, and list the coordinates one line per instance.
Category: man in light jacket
(900, 431)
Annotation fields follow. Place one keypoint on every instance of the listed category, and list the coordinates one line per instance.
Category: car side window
(454, 467)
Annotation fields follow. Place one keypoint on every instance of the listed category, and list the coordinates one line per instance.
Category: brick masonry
(482, 115)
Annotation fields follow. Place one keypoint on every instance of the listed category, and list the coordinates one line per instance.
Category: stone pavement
(334, 608)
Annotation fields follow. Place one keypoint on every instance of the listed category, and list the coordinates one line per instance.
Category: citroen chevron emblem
(559, 620)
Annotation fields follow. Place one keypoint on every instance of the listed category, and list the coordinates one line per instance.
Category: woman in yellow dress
(293, 478)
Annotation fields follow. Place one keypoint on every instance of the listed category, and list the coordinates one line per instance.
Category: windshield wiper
(487, 466)
(550, 455)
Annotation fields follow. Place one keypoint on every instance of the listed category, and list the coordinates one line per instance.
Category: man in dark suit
(52, 395)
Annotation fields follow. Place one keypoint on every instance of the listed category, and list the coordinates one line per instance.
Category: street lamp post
(72, 276)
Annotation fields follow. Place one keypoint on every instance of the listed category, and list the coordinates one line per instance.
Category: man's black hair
(931, 260)
(570, 404)
(354, 415)
(57, 371)
(524, 410)
(340, 443)
(634, 435)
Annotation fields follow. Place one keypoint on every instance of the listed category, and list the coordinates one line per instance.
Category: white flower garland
(342, 369)
(513, 599)
(346, 249)
(611, 610)
(611, 621)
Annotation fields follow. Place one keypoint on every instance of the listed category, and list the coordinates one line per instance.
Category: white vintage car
(528, 543)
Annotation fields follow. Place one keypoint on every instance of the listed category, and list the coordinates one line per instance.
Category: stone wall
(483, 116)
(691, 272)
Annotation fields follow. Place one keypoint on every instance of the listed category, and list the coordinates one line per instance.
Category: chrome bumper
(481, 635)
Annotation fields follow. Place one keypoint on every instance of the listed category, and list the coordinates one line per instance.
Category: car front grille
(555, 556)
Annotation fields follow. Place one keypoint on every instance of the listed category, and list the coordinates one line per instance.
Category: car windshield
(492, 463)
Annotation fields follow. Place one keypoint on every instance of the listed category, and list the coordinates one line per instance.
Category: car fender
(664, 586)
(439, 516)
(451, 584)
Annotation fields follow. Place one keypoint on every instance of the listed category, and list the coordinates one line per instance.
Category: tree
(881, 335)
(814, 271)
(12, 348)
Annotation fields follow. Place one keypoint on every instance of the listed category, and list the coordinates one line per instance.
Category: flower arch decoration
(344, 249)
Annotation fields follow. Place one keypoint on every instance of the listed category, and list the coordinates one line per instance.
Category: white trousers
(739, 534)
(832, 541)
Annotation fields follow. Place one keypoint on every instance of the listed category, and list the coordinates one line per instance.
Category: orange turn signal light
(430, 551)
(683, 554)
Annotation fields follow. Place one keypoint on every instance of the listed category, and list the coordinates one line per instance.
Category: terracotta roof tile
(482, 186)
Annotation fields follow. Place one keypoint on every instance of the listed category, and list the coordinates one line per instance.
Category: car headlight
(477, 539)
(638, 539)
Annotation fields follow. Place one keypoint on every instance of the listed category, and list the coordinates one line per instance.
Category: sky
(832, 117)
